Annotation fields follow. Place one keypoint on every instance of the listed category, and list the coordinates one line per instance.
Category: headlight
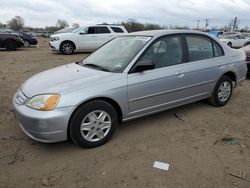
(44, 102)
(54, 38)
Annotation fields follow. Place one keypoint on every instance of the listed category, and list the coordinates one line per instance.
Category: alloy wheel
(95, 126)
(224, 91)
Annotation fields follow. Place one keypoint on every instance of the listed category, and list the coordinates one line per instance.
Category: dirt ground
(193, 139)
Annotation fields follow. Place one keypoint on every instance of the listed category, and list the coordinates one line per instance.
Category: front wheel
(67, 48)
(11, 45)
(93, 124)
(26, 44)
(222, 91)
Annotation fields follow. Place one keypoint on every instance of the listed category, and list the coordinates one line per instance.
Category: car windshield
(78, 29)
(116, 54)
(227, 36)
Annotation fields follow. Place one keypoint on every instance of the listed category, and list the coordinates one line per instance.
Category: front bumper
(43, 126)
(55, 45)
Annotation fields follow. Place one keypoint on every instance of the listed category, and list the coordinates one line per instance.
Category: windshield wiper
(96, 66)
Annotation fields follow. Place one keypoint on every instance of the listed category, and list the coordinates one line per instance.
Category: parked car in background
(29, 39)
(10, 41)
(216, 33)
(235, 41)
(87, 38)
(232, 33)
(246, 49)
(129, 77)
(247, 35)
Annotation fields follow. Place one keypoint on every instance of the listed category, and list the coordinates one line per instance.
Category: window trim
(179, 35)
(202, 36)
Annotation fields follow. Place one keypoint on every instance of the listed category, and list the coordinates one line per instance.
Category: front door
(163, 86)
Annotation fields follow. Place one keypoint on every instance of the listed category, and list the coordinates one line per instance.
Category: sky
(41, 13)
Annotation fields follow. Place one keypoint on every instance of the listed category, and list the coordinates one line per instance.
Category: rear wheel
(222, 91)
(67, 48)
(11, 45)
(93, 124)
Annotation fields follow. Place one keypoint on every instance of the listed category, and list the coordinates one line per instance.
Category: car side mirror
(82, 33)
(143, 66)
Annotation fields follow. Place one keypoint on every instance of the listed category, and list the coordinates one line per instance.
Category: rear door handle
(179, 74)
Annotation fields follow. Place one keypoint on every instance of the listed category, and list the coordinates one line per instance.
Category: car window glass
(163, 53)
(217, 50)
(117, 30)
(199, 48)
(237, 37)
(98, 30)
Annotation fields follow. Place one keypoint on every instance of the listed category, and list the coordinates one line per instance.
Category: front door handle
(179, 74)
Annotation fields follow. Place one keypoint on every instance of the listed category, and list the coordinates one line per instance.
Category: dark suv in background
(10, 41)
(29, 39)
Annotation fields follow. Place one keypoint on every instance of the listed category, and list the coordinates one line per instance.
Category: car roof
(156, 33)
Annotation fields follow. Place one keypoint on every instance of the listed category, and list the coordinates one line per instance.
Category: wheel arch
(9, 40)
(231, 75)
(67, 41)
(106, 99)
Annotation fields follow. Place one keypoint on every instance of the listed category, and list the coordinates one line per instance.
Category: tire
(222, 92)
(11, 45)
(67, 48)
(247, 43)
(229, 44)
(98, 129)
(26, 44)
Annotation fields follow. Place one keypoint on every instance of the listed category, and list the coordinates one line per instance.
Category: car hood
(66, 78)
(225, 40)
(62, 35)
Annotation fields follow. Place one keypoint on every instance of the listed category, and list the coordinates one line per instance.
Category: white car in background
(86, 38)
(235, 41)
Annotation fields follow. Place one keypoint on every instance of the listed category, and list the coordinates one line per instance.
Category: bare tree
(61, 23)
(16, 23)
(234, 24)
(75, 25)
(1, 25)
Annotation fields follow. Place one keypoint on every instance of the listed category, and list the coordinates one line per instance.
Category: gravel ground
(194, 139)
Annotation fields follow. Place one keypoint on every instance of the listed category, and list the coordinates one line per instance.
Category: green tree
(16, 23)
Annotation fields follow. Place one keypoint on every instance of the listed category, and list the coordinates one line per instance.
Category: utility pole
(235, 22)
(198, 24)
(206, 24)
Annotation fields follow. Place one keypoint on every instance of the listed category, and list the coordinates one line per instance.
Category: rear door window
(199, 48)
(117, 30)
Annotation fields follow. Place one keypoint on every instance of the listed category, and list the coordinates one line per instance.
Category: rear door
(204, 65)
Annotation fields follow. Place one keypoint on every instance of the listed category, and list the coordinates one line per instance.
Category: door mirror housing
(143, 66)
(82, 32)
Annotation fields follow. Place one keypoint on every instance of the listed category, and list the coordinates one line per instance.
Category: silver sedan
(129, 77)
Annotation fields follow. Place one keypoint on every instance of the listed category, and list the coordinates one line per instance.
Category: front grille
(21, 97)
